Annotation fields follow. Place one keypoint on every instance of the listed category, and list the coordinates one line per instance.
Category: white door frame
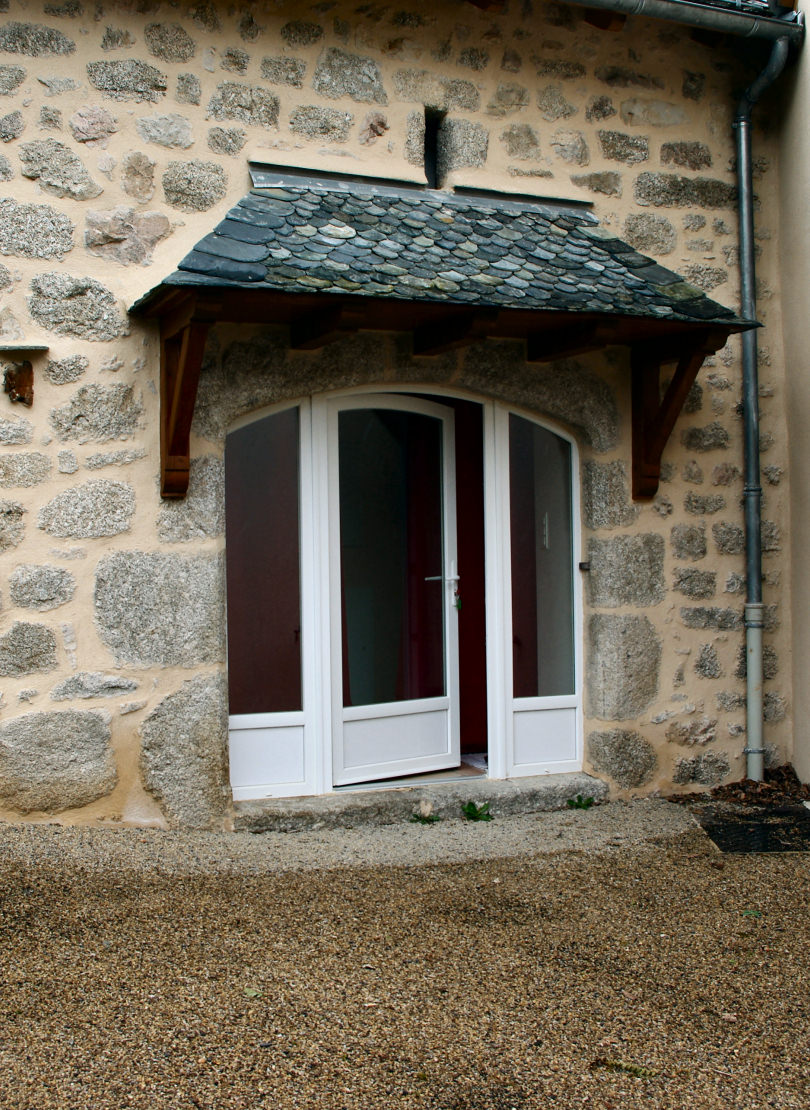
(322, 684)
(439, 714)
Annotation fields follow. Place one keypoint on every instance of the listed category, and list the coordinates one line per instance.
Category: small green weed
(472, 812)
(425, 818)
(579, 802)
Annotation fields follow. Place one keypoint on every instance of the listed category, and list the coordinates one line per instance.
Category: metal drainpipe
(754, 750)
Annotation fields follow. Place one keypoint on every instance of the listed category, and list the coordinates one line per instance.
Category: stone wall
(126, 131)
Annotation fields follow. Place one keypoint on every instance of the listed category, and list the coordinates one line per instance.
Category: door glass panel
(390, 542)
(263, 561)
(542, 561)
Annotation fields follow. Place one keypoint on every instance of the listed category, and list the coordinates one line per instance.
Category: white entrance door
(393, 587)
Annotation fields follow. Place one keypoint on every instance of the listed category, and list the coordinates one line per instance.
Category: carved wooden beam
(315, 329)
(453, 331)
(603, 19)
(653, 417)
(564, 342)
(182, 344)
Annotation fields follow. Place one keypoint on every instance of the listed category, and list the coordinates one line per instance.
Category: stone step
(389, 805)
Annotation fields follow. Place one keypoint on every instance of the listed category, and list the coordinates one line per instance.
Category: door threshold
(473, 767)
(395, 801)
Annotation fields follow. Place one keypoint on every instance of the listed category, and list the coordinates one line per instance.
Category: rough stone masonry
(125, 137)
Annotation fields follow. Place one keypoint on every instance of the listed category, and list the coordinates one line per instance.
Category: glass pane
(542, 561)
(390, 542)
(262, 561)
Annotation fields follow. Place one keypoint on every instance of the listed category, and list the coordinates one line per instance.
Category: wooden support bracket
(182, 345)
(653, 416)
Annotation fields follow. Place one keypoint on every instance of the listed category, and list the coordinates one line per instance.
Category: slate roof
(340, 237)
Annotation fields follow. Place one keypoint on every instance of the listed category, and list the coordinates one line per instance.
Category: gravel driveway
(610, 959)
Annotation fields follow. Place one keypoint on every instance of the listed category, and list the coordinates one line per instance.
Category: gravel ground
(610, 958)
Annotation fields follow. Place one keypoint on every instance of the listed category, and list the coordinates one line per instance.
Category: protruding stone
(692, 155)
(284, 71)
(92, 125)
(599, 108)
(508, 97)
(12, 526)
(688, 541)
(226, 140)
(708, 769)
(669, 190)
(652, 113)
(300, 32)
(712, 617)
(707, 664)
(704, 276)
(605, 181)
(11, 77)
(97, 508)
(729, 538)
(98, 413)
(128, 79)
(124, 235)
(113, 458)
(650, 234)
(249, 103)
(461, 144)
(34, 40)
(12, 126)
(474, 57)
(170, 42)
(161, 610)
(606, 495)
(194, 186)
(138, 175)
(117, 38)
(79, 306)
(171, 130)
(339, 73)
(6, 172)
(58, 169)
(713, 437)
(623, 755)
(24, 469)
(562, 68)
(620, 77)
(571, 147)
(415, 139)
(553, 105)
(189, 90)
(619, 147)
(626, 570)
(698, 584)
(201, 514)
(624, 656)
(701, 731)
(184, 753)
(41, 587)
(34, 230)
(374, 127)
(27, 649)
(235, 60)
(326, 124)
(442, 93)
(67, 462)
(521, 141)
(62, 371)
(15, 430)
(56, 761)
(93, 684)
(693, 85)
